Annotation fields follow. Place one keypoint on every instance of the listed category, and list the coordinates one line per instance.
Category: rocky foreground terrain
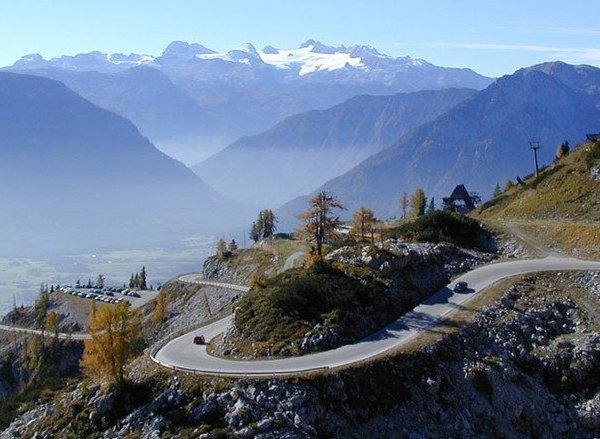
(527, 366)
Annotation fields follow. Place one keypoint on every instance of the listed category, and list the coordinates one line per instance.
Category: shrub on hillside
(292, 303)
(442, 226)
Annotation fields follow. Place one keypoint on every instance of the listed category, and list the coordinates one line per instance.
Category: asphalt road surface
(182, 354)
(61, 335)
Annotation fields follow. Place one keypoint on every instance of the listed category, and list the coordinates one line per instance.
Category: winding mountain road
(61, 335)
(182, 354)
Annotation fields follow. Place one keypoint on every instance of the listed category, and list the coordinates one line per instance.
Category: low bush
(441, 226)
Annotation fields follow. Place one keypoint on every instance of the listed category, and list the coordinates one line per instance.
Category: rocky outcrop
(23, 424)
(420, 266)
(240, 267)
(595, 173)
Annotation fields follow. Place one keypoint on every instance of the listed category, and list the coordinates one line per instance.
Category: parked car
(460, 287)
(199, 339)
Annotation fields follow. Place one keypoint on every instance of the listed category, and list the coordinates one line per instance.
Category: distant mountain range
(239, 92)
(75, 177)
(307, 149)
(481, 141)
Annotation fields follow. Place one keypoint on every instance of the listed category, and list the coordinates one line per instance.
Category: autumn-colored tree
(508, 185)
(363, 221)
(562, 150)
(92, 309)
(418, 203)
(52, 320)
(319, 223)
(115, 339)
(221, 248)
(404, 203)
(160, 310)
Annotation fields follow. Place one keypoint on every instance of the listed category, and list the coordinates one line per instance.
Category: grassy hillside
(560, 207)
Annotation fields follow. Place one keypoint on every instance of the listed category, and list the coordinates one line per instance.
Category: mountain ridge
(312, 147)
(76, 177)
(243, 91)
(472, 143)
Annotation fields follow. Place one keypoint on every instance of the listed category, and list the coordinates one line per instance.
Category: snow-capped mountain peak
(270, 50)
(313, 59)
(180, 51)
(92, 61)
(318, 47)
(245, 54)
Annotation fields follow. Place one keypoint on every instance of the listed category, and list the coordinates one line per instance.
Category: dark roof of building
(460, 193)
(593, 137)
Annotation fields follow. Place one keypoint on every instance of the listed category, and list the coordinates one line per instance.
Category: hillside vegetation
(560, 207)
(284, 308)
(441, 226)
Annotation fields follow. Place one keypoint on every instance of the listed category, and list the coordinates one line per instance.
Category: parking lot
(112, 295)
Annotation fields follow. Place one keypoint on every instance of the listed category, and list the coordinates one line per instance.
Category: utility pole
(534, 146)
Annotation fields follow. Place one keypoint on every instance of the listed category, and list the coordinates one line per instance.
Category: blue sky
(493, 38)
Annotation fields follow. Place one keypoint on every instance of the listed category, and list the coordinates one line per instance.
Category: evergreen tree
(264, 226)
(268, 223)
(40, 308)
(255, 231)
(404, 204)
(100, 281)
(143, 279)
(497, 190)
(431, 207)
